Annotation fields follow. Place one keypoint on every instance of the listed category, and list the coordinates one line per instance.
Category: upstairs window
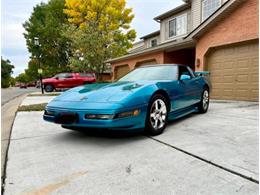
(153, 42)
(209, 7)
(172, 28)
(178, 26)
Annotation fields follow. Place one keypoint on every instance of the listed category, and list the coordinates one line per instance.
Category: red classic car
(68, 80)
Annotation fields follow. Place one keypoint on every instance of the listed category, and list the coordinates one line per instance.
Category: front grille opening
(67, 118)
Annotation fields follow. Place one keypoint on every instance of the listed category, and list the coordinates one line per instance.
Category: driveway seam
(21, 138)
(207, 161)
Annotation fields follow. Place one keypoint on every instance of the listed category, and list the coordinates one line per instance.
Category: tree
(22, 78)
(46, 23)
(12, 81)
(98, 30)
(32, 70)
(6, 71)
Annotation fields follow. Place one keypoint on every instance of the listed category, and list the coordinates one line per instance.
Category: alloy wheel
(205, 100)
(158, 113)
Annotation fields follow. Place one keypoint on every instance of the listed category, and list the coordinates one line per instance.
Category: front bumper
(126, 123)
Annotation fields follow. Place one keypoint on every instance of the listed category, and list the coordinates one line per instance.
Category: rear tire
(204, 102)
(48, 88)
(157, 115)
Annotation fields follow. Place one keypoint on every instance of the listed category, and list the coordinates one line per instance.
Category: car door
(60, 80)
(189, 85)
(69, 81)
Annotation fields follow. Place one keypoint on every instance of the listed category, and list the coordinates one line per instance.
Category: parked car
(68, 80)
(145, 98)
(23, 85)
(31, 84)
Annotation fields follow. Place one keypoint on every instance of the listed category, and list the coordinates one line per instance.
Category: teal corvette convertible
(146, 98)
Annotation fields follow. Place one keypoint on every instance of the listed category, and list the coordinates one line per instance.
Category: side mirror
(57, 78)
(185, 77)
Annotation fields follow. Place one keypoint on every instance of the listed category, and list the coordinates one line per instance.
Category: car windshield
(160, 72)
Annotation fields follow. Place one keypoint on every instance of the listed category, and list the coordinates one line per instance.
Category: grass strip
(33, 107)
(46, 94)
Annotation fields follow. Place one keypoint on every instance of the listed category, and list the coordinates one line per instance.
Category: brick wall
(240, 25)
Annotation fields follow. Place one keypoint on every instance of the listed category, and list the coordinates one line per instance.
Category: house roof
(155, 33)
(170, 45)
(219, 14)
(172, 12)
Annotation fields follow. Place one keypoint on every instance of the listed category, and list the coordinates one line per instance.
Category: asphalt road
(12, 92)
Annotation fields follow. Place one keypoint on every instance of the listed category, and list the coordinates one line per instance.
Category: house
(220, 36)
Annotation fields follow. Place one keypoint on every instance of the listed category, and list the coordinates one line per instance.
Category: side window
(191, 72)
(68, 75)
(183, 70)
(61, 76)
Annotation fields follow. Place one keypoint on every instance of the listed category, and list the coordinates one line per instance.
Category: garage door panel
(245, 63)
(242, 78)
(227, 72)
(148, 62)
(228, 79)
(120, 71)
(234, 72)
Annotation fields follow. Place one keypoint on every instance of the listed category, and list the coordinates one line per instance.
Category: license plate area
(67, 118)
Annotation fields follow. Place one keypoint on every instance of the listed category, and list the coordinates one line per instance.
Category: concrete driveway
(212, 153)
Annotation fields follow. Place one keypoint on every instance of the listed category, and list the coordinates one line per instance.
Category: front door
(189, 87)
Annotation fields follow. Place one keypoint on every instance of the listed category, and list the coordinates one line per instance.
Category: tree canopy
(22, 78)
(46, 23)
(77, 35)
(6, 71)
(99, 30)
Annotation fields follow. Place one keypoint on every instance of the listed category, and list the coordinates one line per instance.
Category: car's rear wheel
(157, 115)
(48, 88)
(204, 102)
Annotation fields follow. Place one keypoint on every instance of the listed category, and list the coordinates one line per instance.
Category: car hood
(103, 92)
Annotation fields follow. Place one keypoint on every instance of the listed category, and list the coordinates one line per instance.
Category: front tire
(48, 88)
(204, 102)
(157, 115)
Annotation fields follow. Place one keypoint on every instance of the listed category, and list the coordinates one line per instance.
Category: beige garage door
(150, 62)
(234, 72)
(120, 71)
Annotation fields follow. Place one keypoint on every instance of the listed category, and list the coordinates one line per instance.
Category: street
(12, 92)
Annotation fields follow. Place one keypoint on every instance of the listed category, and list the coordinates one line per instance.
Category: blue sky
(15, 12)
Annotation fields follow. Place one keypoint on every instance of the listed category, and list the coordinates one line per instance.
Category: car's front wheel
(48, 88)
(157, 115)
